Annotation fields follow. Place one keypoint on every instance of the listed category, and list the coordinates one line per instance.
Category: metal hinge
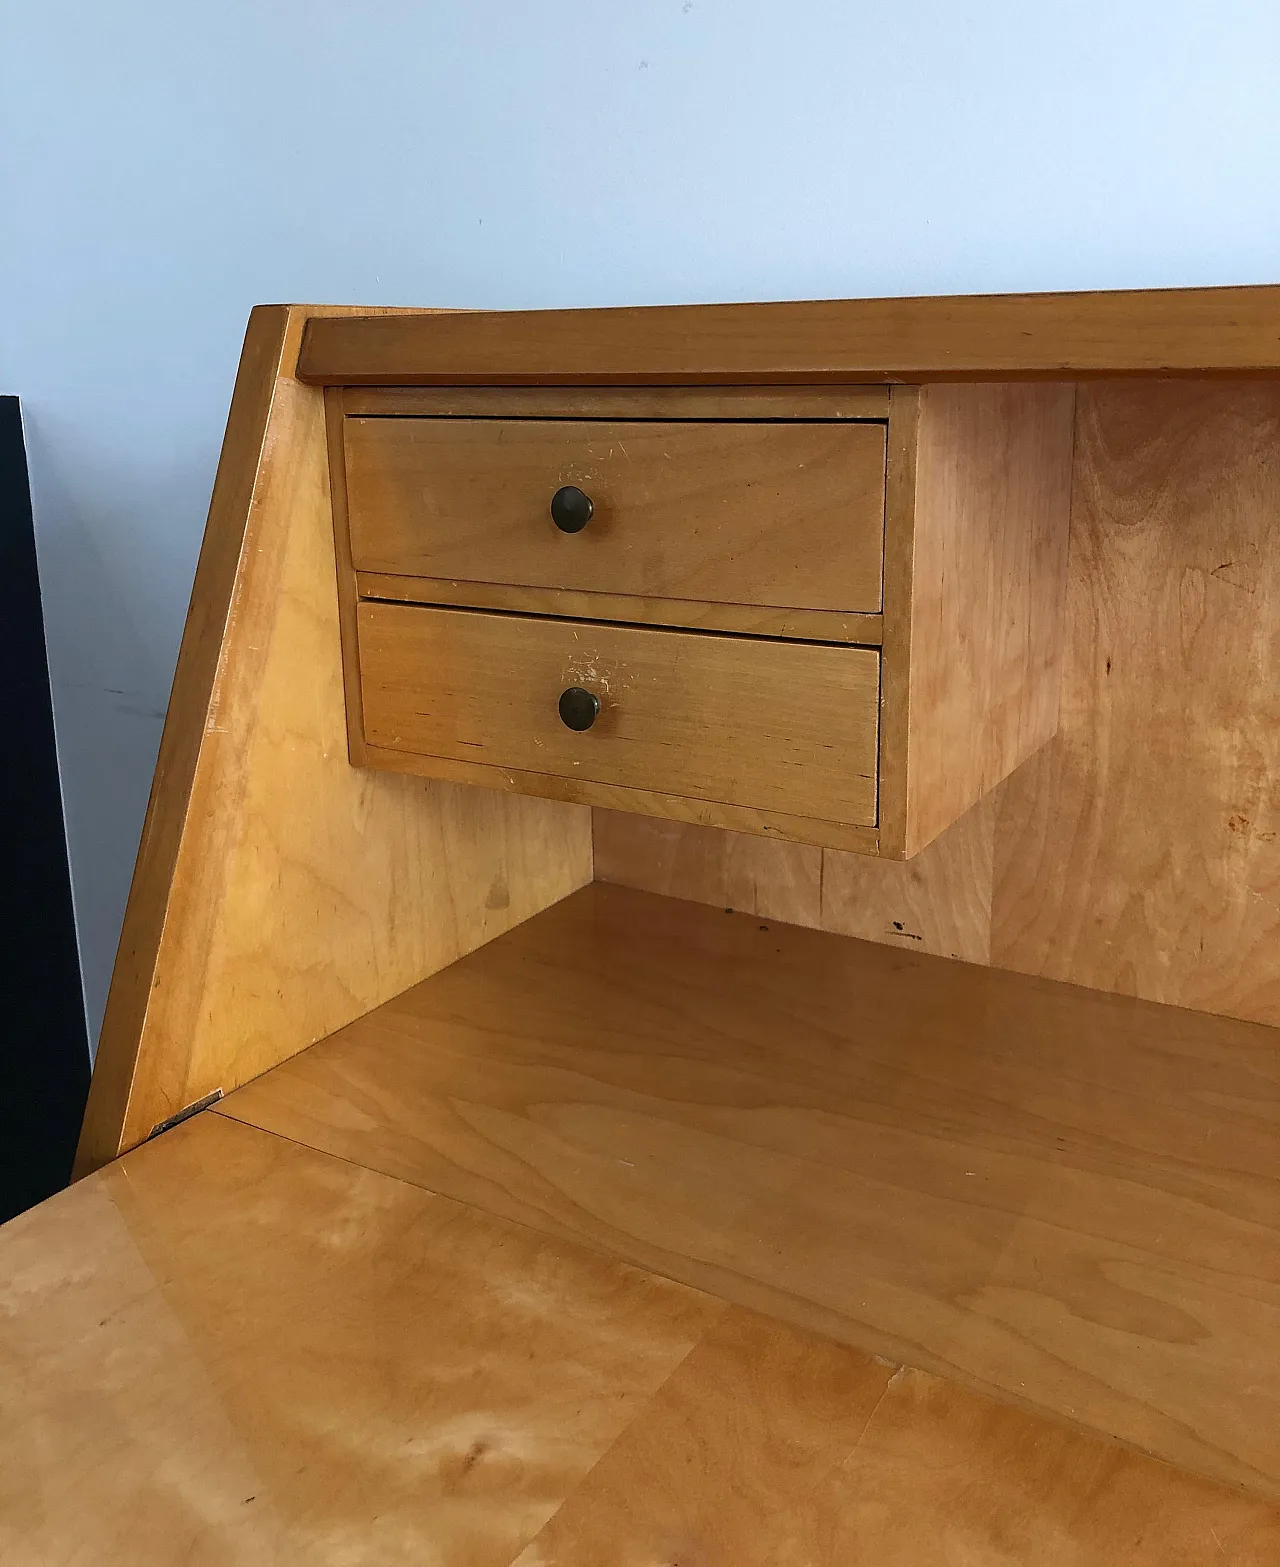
(184, 1115)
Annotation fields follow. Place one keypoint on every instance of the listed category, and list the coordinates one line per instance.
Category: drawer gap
(626, 625)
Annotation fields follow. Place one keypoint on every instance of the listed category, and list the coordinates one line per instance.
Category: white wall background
(163, 168)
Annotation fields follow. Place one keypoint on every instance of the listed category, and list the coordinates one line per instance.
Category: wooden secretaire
(599, 733)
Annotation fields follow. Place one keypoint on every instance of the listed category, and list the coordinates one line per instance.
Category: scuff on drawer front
(778, 726)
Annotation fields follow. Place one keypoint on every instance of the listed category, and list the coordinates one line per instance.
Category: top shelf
(1146, 332)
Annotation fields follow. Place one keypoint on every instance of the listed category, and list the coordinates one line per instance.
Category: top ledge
(1150, 332)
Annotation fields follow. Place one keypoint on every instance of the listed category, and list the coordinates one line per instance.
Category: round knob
(579, 709)
(571, 509)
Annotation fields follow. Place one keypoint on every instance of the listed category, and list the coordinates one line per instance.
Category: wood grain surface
(939, 901)
(1156, 332)
(1068, 1198)
(226, 1348)
(778, 826)
(955, 518)
(985, 601)
(184, 731)
(769, 1445)
(1139, 852)
(278, 893)
(733, 870)
(618, 402)
(817, 625)
(787, 514)
(672, 1488)
(781, 726)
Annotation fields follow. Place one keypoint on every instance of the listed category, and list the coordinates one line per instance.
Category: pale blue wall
(164, 167)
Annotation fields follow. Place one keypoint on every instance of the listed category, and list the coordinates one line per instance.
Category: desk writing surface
(226, 1348)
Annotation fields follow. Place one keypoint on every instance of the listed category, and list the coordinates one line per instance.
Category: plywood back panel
(1142, 852)
(1138, 852)
(279, 893)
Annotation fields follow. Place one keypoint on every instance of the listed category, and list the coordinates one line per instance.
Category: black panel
(44, 1052)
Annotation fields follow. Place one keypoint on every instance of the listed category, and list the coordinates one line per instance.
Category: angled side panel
(279, 893)
(144, 920)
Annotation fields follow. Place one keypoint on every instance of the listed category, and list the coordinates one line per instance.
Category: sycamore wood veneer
(935, 532)
(1065, 1198)
(993, 337)
(786, 513)
(1139, 851)
(225, 1348)
(280, 892)
(1059, 1196)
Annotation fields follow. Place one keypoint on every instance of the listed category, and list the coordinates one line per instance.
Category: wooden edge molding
(278, 892)
(1152, 332)
(185, 721)
(617, 402)
(813, 625)
(777, 825)
(895, 667)
(347, 590)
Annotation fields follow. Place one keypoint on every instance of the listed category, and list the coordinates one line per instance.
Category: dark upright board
(44, 1052)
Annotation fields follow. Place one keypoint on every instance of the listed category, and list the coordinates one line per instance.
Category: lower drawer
(776, 726)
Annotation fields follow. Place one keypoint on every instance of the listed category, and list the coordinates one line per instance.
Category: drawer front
(773, 514)
(780, 726)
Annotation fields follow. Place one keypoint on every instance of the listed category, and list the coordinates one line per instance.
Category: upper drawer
(787, 514)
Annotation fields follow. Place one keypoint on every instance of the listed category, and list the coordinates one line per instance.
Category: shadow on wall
(44, 1048)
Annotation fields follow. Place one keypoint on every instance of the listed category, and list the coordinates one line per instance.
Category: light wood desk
(945, 628)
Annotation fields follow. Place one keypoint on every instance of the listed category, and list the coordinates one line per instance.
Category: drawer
(773, 726)
(786, 514)
(806, 614)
